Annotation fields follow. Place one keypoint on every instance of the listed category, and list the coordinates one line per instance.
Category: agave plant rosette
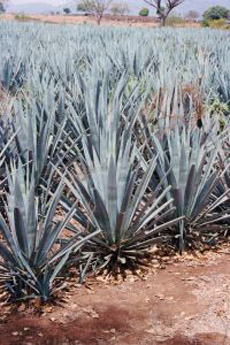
(31, 248)
(108, 179)
(191, 157)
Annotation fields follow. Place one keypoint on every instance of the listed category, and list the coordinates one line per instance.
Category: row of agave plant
(101, 157)
(95, 183)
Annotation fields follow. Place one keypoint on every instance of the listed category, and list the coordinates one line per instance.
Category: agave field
(112, 141)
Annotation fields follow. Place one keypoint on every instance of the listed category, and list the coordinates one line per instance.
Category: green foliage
(205, 23)
(2, 8)
(93, 6)
(22, 17)
(218, 24)
(81, 7)
(215, 13)
(67, 10)
(218, 108)
(96, 8)
(119, 9)
(144, 12)
(175, 20)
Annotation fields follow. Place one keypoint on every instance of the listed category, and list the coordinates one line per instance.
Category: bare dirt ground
(181, 301)
(61, 19)
(107, 21)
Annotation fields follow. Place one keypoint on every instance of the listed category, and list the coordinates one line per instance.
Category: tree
(2, 6)
(119, 9)
(164, 8)
(96, 8)
(215, 13)
(67, 10)
(192, 15)
(144, 12)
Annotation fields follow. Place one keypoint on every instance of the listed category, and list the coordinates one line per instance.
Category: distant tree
(144, 12)
(215, 13)
(192, 15)
(67, 10)
(3, 6)
(96, 8)
(164, 8)
(119, 9)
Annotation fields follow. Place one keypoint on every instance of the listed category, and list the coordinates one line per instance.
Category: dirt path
(186, 303)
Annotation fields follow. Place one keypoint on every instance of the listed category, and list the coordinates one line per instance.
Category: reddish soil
(126, 21)
(184, 302)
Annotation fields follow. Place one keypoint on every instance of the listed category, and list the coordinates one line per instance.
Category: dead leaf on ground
(22, 307)
(90, 311)
(15, 334)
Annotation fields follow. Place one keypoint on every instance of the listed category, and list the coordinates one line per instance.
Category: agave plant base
(18, 288)
(195, 239)
(118, 262)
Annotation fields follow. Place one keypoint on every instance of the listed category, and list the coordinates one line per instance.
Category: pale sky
(199, 5)
(51, 2)
(60, 2)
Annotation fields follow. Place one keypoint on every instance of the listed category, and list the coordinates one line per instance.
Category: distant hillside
(37, 7)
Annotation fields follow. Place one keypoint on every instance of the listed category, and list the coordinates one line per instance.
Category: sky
(51, 2)
(199, 5)
(60, 2)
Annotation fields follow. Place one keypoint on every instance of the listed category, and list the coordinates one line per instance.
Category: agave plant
(39, 135)
(6, 143)
(13, 76)
(68, 107)
(32, 251)
(108, 180)
(191, 157)
(223, 184)
(41, 140)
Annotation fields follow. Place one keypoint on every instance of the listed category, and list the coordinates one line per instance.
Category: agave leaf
(21, 232)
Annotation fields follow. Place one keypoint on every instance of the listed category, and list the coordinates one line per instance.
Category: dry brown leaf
(15, 334)
(150, 331)
(90, 311)
(47, 309)
(171, 298)
(22, 307)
